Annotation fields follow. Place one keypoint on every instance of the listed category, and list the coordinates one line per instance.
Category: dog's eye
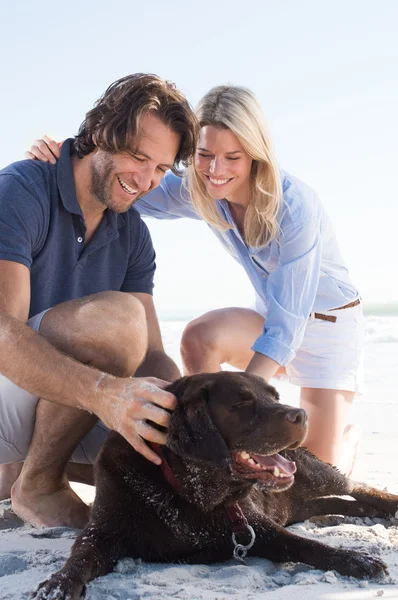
(242, 403)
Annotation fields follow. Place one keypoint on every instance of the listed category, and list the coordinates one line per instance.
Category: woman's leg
(328, 436)
(220, 336)
(226, 336)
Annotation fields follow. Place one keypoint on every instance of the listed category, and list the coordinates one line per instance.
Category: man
(78, 262)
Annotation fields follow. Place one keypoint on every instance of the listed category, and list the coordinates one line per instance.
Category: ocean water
(376, 411)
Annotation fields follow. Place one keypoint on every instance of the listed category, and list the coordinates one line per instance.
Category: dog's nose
(298, 416)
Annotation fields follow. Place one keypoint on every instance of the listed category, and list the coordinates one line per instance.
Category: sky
(326, 75)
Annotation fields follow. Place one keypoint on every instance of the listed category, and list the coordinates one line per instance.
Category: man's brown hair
(116, 117)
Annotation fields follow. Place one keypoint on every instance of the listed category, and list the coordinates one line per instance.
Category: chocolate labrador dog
(233, 475)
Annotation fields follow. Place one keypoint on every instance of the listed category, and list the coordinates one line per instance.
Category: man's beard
(102, 175)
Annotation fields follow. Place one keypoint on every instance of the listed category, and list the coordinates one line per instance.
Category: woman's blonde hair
(237, 109)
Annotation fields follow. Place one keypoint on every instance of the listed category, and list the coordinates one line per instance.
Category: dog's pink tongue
(276, 460)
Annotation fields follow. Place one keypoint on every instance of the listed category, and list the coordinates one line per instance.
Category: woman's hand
(46, 149)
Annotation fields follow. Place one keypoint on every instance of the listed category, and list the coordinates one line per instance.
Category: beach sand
(28, 556)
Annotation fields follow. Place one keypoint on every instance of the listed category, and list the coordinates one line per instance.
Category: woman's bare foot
(51, 505)
(351, 441)
(9, 473)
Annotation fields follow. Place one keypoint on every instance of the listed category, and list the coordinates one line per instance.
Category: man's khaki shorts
(17, 421)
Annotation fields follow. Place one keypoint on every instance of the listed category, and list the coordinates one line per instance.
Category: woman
(307, 321)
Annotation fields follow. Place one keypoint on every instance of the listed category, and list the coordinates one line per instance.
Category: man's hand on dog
(129, 406)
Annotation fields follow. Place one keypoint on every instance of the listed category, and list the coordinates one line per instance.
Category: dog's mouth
(273, 470)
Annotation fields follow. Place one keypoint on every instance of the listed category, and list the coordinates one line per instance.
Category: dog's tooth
(276, 472)
(251, 461)
(244, 454)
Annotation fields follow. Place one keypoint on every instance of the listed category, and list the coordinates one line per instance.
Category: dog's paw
(364, 566)
(59, 587)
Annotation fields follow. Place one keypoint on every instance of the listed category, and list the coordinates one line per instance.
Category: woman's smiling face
(223, 165)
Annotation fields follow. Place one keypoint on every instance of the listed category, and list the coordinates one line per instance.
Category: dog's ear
(192, 433)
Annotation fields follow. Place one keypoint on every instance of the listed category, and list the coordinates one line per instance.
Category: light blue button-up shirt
(299, 273)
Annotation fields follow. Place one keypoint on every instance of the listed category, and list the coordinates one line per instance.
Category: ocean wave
(378, 330)
(381, 330)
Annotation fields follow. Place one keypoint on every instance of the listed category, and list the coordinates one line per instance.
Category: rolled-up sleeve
(291, 288)
(170, 200)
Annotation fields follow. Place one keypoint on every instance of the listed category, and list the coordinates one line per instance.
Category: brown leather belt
(333, 318)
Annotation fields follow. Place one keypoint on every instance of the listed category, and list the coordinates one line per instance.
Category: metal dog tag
(240, 554)
(240, 550)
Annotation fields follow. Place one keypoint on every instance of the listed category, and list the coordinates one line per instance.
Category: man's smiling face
(119, 180)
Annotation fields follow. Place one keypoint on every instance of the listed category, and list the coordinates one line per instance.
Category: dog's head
(234, 421)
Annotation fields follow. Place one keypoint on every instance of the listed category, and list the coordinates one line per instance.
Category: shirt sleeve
(142, 266)
(291, 289)
(22, 219)
(170, 200)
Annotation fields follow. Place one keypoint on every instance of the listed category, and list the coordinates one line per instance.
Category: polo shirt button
(79, 239)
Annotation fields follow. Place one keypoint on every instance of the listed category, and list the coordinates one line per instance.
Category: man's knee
(106, 330)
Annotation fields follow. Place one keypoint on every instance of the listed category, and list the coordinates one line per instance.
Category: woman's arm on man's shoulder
(46, 149)
(170, 200)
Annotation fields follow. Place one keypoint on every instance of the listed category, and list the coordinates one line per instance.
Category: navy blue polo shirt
(42, 227)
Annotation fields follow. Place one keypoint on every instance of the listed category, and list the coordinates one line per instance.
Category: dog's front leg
(93, 554)
(277, 544)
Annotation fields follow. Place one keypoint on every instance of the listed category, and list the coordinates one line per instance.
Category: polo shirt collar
(67, 190)
(66, 180)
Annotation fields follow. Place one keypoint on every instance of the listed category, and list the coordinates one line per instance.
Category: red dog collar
(239, 522)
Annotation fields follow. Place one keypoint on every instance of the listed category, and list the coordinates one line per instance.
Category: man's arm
(26, 357)
(156, 362)
(30, 361)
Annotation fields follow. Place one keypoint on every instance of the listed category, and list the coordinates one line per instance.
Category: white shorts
(331, 354)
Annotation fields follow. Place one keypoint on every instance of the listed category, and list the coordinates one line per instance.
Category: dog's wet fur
(230, 441)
